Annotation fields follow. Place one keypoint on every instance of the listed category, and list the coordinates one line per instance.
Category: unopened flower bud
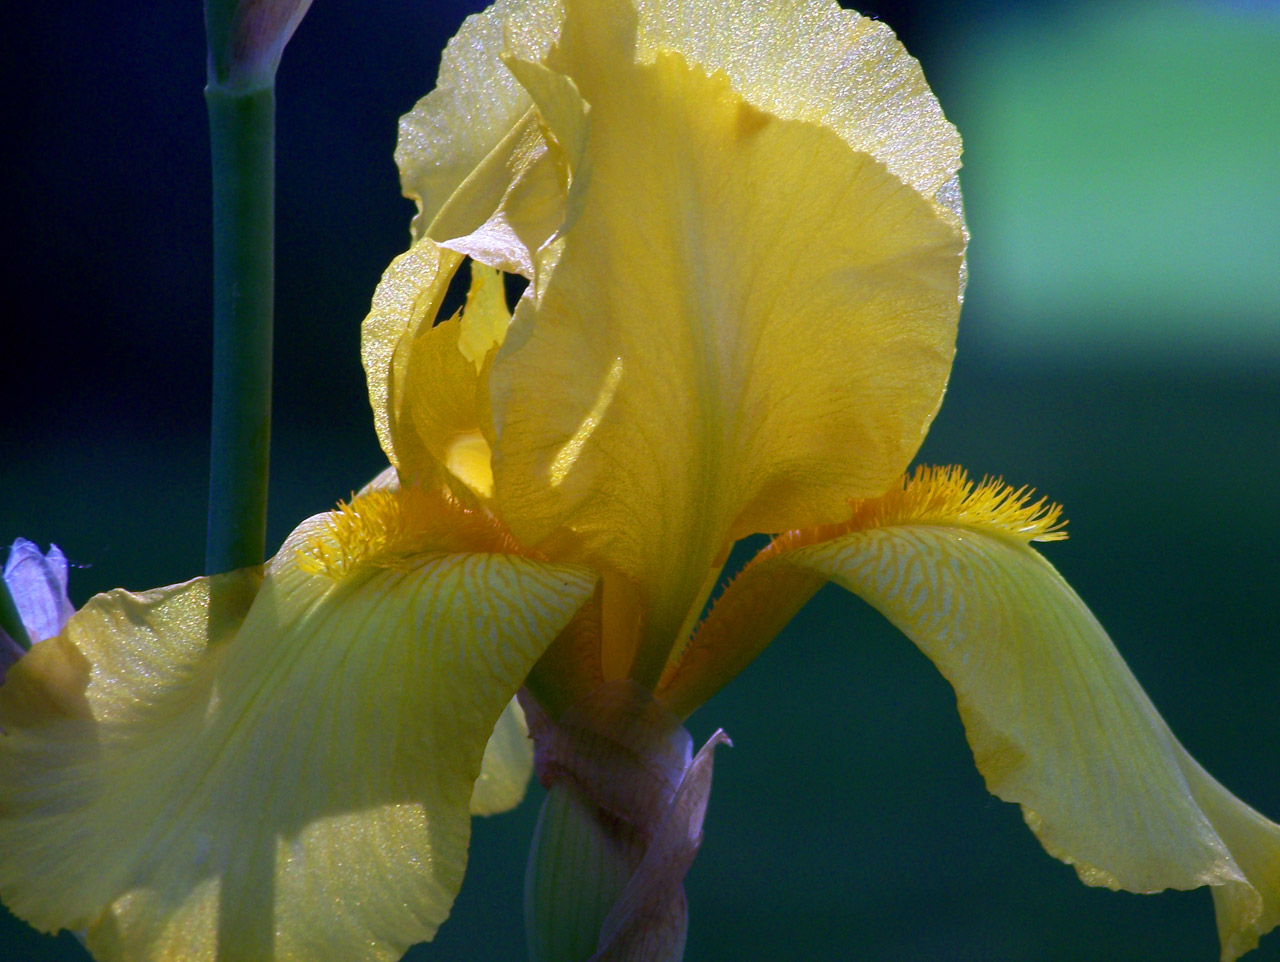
(246, 39)
(37, 585)
(620, 827)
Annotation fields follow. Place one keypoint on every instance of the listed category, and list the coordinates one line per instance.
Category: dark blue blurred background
(1120, 351)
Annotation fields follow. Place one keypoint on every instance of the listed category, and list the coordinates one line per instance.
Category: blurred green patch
(1122, 176)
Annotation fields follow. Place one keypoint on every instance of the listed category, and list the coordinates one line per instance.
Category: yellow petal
(384, 480)
(479, 155)
(560, 107)
(485, 318)
(445, 390)
(749, 322)
(510, 206)
(474, 108)
(405, 306)
(571, 668)
(768, 592)
(756, 605)
(293, 778)
(852, 75)
(1056, 720)
(427, 383)
(563, 115)
(811, 60)
(507, 765)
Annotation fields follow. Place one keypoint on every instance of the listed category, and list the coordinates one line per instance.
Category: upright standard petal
(446, 392)
(853, 77)
(277, 770)
(1055, 718)
(468, 119)
(749, 321)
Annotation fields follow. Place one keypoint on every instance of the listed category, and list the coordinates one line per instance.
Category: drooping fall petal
(507, 765)
(1055, 718)
(730, 342)
(236, 756)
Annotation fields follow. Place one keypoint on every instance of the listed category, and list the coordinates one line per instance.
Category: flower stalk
(246, 39)
(242, 141)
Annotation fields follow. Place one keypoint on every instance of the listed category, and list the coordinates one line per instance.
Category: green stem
(11, 620)
(242, 136)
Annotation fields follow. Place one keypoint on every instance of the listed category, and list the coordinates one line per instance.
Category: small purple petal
(38, 584)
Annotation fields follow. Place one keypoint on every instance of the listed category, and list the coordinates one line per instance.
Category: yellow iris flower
(742, 233)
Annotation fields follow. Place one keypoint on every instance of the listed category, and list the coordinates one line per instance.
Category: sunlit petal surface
(728, 343)
(285, 767)
(811, 60)
(475, 106)
(446, 385)
(1058, 723)
(852, 75)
